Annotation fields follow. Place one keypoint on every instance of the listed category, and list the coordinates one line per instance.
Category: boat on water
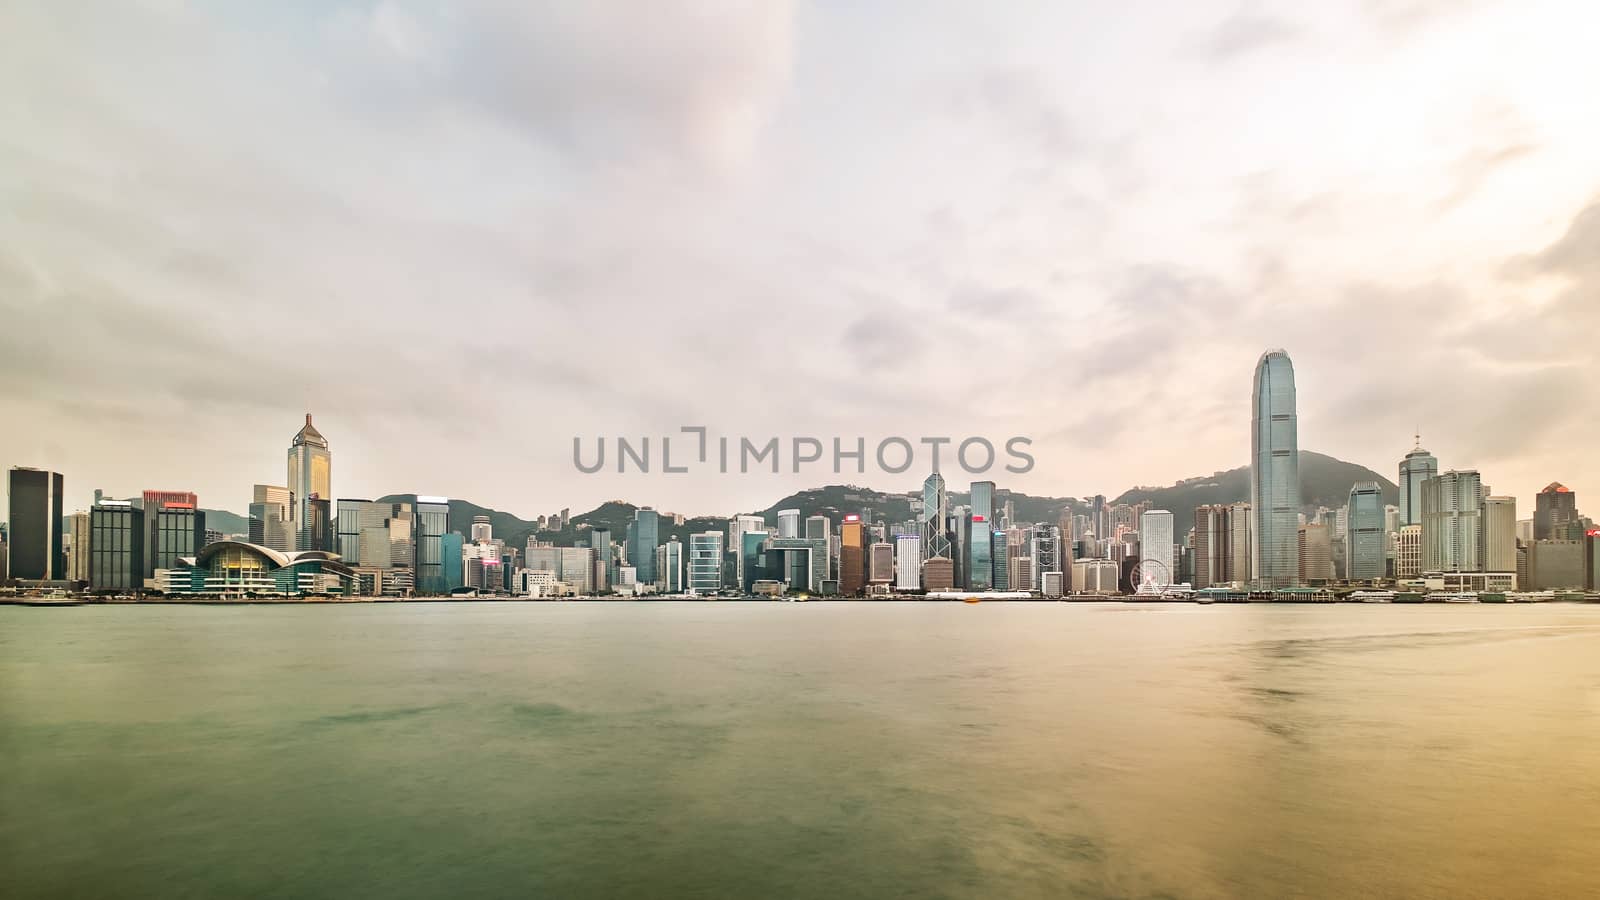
(1407, 597)
(1453, 597)
(971, 600)
(1373, 597)
(1530, 596)
(50, 601)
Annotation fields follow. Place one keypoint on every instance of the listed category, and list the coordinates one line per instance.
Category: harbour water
(823, 750)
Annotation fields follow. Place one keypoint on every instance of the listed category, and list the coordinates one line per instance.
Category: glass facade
(1418, 466)
(433, 515)
(1364, 537)
(935, 507)
(643, 537)
(705, 562)
(980, 550)
(174, 533)
(116, 547)
(1275, 473)
(451, 565)
(310, 478)
(852, 556)
(34, 543)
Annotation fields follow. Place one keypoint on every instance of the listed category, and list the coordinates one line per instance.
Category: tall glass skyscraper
(35, 536)
(310, 477)
(1275, 473)
(980, 551)
(433, 515)
(1364, 537)
(935, 506)
(644, 535)
(1418, 466)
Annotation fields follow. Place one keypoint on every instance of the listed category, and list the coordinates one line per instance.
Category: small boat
(971, 600)
(1205, 601)
(1457, 597)
(1373, 596)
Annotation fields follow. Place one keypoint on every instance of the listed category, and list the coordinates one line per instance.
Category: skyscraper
(116, 546)
(668, 565)
(705, 562)
(1500, 534)
(1418, 466)
(852, 556)
(35, 517)
(272, 518)
(310, 477)
(907, 562)
(433, 516)
(880, 563)
(1275, 473)
(935, 507)
(1315, 553)
(1364, 538)
(1155, 548)
(1555, 514)
(77, 549)
(979, 569)
(1212, 552)
(1452, 522)
(644, 534)
(1241, 544)
(174, 530)
(820, 531)
(788, 523)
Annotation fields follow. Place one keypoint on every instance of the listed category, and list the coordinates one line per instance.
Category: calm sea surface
(806, 750)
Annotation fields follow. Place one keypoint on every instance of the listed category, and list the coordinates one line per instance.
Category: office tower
(1212, 552)
(1156, 563)
(1499, 553)
(1408, 552)
(1044, 548)
(959, 528)
(116, 546)
(1591, 559)
(316, 531)
(788, 523)
(433, 518)
(1365, 544)
(1315, 553)
(1275, 472)
(979, 555)
(77, 544)
(272, 523)
(605, 559)
(1525, 530)
(1001, 563)
(1241, 544)
(310, 478)
(752, 565)
(1555, 514)
(482, 530)
(451, 561)
(1556, 565)
(880, 563)
(174, 530)
(577, 568)
(705, 562)
(669, 567)
(1097, 516)
(819, 529)
(642, 539)
(935, 509)
(907, 562)
(852, 556)
(35, 538)
(1391, 518)
(1452, 510)
(1019, 574)
(938, 574)
(1418, 466)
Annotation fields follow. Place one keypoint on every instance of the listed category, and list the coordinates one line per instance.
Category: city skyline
(478, 269)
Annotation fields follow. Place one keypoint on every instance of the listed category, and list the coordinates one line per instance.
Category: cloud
(1244, 33)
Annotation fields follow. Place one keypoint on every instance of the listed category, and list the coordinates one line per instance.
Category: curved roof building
(238, 569)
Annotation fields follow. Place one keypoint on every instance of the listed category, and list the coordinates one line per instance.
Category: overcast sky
(461, 234)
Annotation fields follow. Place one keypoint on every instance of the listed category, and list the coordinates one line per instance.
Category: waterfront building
(1591, 559)
(1212, 549)
(820, 529)
(1452, 521)
(1156, 563)
(1499, 552)
(1001, 564)
(310, 478)
(1315, 552)
(935, 511)
(605, 560)
(979, 555)
(1555, 514)
(116, 546)
(1418, 466)
(1044, 548)
(174, 530)
(738, 527)
(35, 545)
(1408, 552)
(908, 562)
(1275, 473)
(788, 523)
(576, 568)
(852, 556)
(880, 564)
(1053, 585)
(1365, 544)
(451, 561)
(77, 547)
(1241, 569)
(240, 570)
(669, 567)
(272, 522)
(705, 562)
(1095, 576)
(1019, 573)
(938, 574)
(433, 518)
(642, 539)
(1556, 565)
